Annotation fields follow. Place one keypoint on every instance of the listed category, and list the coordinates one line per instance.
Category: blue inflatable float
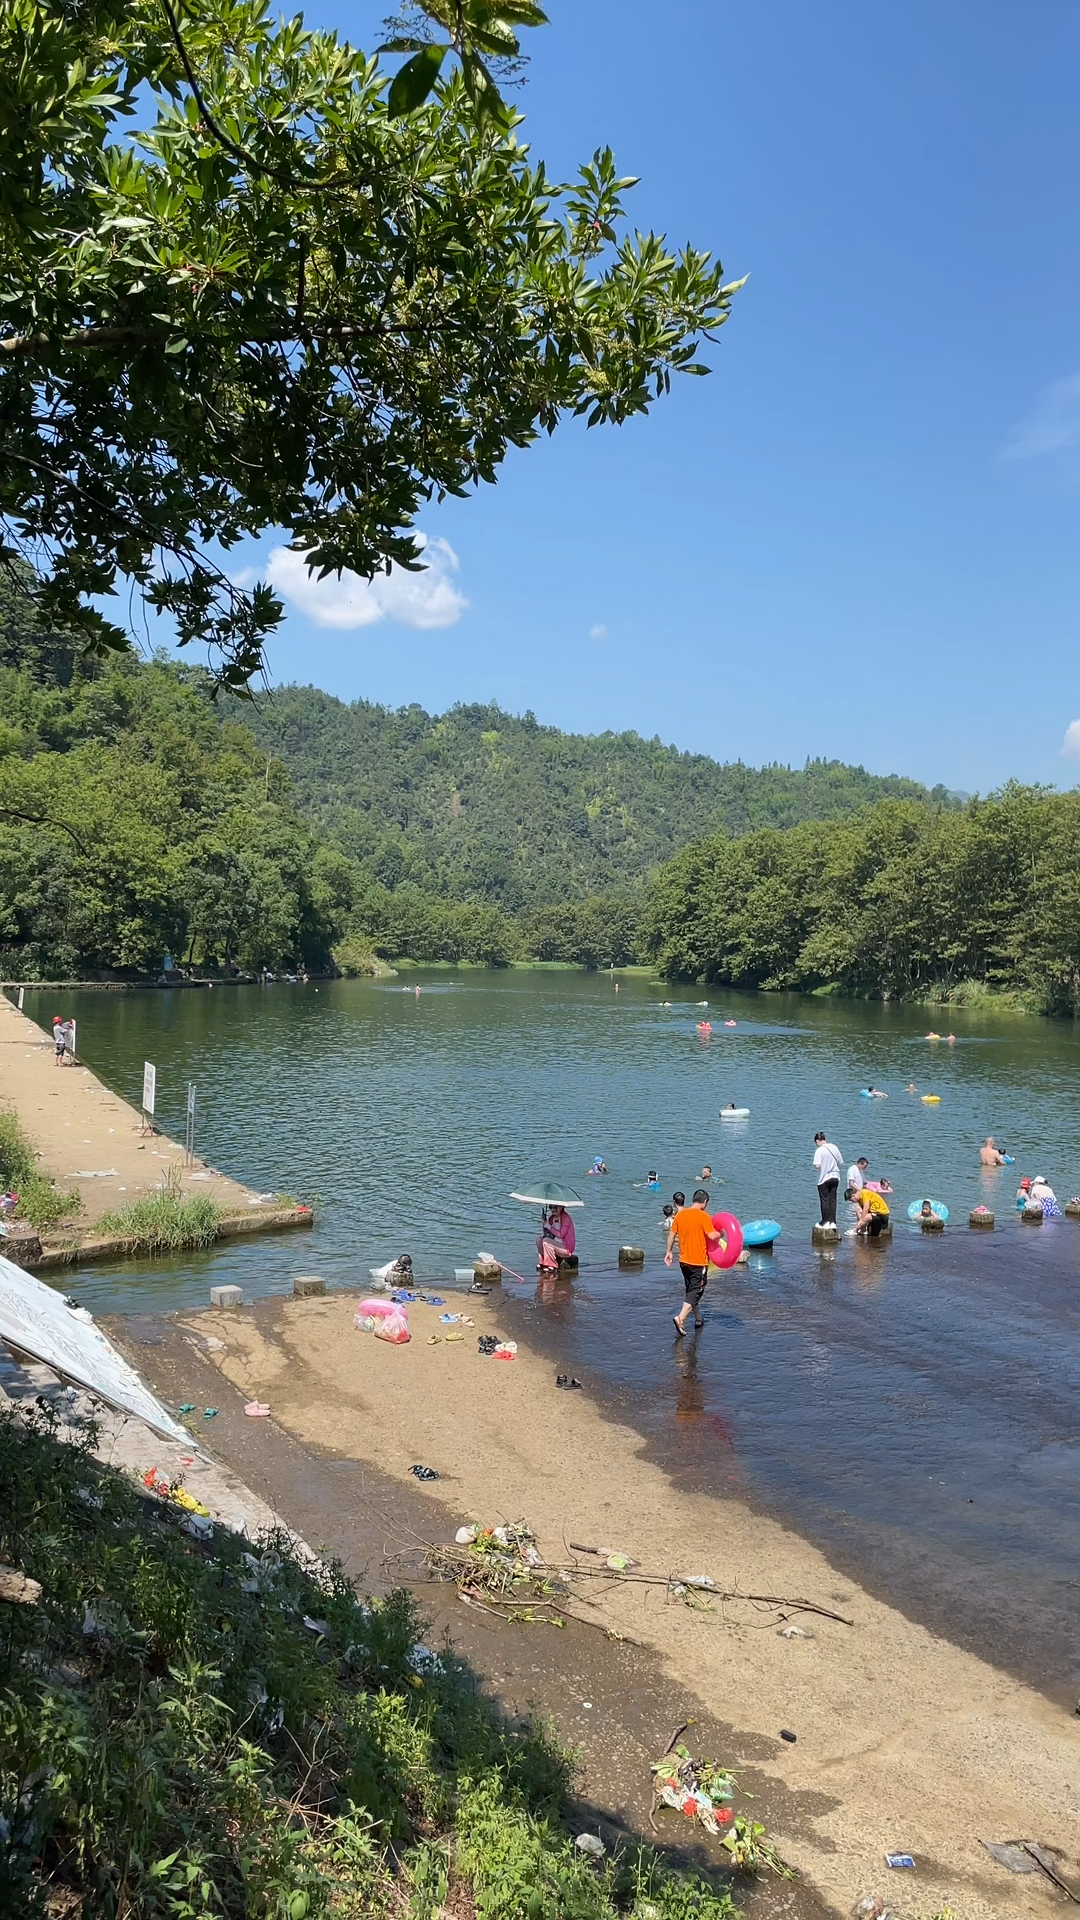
(760, 1233)
(937, 1206)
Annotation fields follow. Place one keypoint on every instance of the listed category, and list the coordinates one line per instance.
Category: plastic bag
(371, 1313)
(394, 1328)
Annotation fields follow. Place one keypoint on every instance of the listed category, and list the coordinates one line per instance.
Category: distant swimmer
(933, 1036)
(989, 1155)
(706, 1174)
(731, 1023)
(951, 1038)
(874, 1093)
(704, 1026)
(416, 991)
(703, 1003)
(652, 1182)
(598, 1166)
(911, 1087)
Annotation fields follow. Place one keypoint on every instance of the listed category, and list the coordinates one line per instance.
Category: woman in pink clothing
(556, 1240)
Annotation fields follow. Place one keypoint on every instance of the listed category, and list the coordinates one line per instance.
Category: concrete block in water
(307, 1285)
(1072, 1208)
(487, 1270)
(570, 1264)
(826, 1236)
(631, 1256)
(980, 1217)
(1032, 1216)
(226, 1296)
(932, 1226)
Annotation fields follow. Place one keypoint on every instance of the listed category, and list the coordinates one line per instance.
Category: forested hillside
(904, 901)
(477, 804)
(139, 816)
(134, 821)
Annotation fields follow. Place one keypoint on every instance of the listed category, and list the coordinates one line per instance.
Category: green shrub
(163, 1221)
(207, 1730)
(40, 1201)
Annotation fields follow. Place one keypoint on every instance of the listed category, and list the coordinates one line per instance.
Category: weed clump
(40, 1202)
(161, 1222)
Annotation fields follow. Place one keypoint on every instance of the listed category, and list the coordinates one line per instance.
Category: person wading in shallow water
(828, 1161)
(693, 1229)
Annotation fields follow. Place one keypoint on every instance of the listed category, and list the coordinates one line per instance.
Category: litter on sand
(795, 1633)
(702, 1791)
(1009, 1853)
(591, 1844)
(899, 1860)
(567, 1381)
(423, 1473)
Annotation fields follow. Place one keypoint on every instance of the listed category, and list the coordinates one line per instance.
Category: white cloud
(1053, 425)
(425, 599)
(598, 633)
(1070, 746)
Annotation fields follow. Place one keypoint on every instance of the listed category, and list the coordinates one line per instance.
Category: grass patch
(161, 1222)
(40, 1202)
(206, 1731)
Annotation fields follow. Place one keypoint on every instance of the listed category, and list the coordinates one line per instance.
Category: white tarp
(35, 1320)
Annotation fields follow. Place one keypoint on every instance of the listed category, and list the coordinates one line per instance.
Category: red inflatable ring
(728, 1243)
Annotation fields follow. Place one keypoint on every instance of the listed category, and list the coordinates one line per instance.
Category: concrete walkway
(86, 1137)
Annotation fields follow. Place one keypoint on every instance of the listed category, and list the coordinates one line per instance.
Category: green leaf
(414, 81)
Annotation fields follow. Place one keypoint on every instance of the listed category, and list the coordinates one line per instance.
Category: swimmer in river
(926, 1212)
(911, 1087)
(989, 1155)
(933, 1036)
(706, 1174)
(875, 1093)
(704, 1026)
(652, 1182)
(598, 1166)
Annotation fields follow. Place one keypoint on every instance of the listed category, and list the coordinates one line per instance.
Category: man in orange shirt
(693, 1229)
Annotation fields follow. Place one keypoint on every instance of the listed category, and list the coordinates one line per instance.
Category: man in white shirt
(856, 1173)
(828, 1161)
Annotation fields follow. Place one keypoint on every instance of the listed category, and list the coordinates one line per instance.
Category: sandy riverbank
(904, 1741)
(85, 1136)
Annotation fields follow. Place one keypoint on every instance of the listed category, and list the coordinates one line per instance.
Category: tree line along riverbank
(139, 816)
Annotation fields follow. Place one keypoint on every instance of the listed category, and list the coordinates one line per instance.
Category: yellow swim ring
(931, 1099)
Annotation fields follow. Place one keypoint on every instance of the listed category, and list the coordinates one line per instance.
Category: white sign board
(35, 1320)
(149, 1086)
(191, 1099)
(73, 1026)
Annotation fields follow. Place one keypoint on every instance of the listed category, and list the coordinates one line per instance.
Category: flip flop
(680, 1330)
(256, 1409)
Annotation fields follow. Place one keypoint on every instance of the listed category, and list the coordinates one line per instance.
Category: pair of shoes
(567, 1381)
(678, 1325)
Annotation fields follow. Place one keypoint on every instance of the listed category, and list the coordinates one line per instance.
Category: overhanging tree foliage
(287, 301)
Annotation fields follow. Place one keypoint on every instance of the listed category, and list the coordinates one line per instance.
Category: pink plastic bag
(394, 1328)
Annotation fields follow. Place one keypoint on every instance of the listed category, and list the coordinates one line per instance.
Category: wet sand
(905, 1741)
(80, 1128)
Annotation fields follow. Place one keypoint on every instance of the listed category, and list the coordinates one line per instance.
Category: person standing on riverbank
(693, 1229)
(61, 1034)
(828, 1161)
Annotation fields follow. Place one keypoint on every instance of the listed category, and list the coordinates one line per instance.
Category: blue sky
(858, 538)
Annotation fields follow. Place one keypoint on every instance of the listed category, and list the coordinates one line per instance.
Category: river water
(913, 1406)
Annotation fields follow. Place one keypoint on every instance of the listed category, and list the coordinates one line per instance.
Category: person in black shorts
(693, 1229)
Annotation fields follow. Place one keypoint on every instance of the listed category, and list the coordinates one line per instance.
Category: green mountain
(477, 804)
